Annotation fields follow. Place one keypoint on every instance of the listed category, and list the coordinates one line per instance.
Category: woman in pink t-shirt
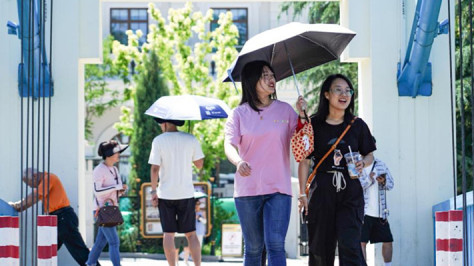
(257, 142)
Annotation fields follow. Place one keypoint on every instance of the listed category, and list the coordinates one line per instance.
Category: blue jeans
(105, 235)
(264, 220)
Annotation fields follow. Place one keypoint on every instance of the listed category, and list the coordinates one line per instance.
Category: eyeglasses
(340, 92)
(268, 76)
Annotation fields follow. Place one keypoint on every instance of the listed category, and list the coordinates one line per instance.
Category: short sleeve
(40, 189)
(155, 153)
(198, 154)
(366, 140)
(293, 120)
(232, 131)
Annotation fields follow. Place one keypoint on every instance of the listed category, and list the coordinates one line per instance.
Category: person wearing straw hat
(107, 187)
(257, 142)
(335, 208)
(56, 202)
(171, 157)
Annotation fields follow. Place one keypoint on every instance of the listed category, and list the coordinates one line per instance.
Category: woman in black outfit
(335, 209)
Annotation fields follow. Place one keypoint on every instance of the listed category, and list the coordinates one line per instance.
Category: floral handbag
(302, 141)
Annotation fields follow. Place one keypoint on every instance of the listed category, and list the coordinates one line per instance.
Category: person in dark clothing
(335, 209)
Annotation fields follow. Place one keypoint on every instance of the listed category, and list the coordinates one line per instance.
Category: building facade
(413, 134)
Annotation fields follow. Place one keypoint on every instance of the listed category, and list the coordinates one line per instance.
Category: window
(239, 17)
(123, 19)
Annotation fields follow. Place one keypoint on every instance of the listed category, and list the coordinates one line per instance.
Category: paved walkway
(157, 262)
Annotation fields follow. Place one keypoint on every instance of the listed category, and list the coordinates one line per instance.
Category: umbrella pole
(292, 69)
(229, 73)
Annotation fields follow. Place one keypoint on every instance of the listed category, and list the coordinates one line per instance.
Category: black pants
(335, 217)
(68, 234)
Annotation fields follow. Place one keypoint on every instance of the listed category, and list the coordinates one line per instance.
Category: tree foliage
(187, 68)
(99, 97)
(318, 12)
(151, 85)
(464, 72)
(311, 80)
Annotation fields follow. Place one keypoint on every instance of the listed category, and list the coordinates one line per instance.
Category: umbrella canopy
(294, 45)
(188, 107)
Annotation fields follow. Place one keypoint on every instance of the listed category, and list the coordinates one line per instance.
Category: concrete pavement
(136, 259)
(159, 262)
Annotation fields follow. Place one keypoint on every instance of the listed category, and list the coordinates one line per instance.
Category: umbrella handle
(292, 69)
(229, 73)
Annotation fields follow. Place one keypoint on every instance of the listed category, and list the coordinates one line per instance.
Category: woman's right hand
(303, 204)
(244, 168)
(301, 105)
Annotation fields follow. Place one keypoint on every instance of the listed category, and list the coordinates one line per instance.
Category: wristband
(300, 196)
(153, 192)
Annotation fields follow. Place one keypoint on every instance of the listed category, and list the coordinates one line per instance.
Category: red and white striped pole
(449, 234)
(47, 240)
(9, 241)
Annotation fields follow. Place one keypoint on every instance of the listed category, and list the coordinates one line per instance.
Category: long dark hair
(249, 76)
(323, 107)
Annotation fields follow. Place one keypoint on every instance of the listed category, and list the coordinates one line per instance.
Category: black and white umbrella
(292, 48)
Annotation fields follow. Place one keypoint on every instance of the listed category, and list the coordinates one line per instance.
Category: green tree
(221, 216)
(465, 74)
(151, 85)
(98, 96)
(311, 80)
(187, 68)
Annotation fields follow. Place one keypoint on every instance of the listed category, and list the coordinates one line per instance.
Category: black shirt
(358, 138)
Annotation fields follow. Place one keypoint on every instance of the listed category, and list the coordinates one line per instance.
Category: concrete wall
(74, 39)
(413, 134)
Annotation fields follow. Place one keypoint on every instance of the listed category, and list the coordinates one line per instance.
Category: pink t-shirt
(263, 140)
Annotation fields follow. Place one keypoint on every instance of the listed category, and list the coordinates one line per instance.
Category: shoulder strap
(116, 180)
(373, 166)
(313, 174)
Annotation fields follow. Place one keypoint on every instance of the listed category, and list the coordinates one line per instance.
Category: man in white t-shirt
(376, 180)
(171, 158)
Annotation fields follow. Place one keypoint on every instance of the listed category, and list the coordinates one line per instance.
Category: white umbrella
(188, 107)
(199, 195)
